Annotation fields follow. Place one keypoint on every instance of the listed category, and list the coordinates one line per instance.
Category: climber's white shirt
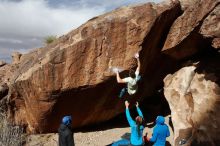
(132, 83)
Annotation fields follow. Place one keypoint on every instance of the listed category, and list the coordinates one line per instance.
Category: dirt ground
(92, 138)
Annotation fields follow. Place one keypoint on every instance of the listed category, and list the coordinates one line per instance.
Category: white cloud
(36, 18)
(24, 23)
(10, 40)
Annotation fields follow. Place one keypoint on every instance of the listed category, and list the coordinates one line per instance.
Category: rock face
(193, 94)
(211, 27)
(6, 72)
(184, 37)
(188, 3)
(72, 76)
(3, 90)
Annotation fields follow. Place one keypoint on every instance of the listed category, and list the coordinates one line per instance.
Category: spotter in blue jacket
(160, 132)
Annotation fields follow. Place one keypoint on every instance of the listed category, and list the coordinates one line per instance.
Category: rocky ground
(91, 138)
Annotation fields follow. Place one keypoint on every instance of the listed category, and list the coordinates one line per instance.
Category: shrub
(50, 39)
(10, 135)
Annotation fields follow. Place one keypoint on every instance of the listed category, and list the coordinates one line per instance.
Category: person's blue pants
(122, 142)
(122, 93)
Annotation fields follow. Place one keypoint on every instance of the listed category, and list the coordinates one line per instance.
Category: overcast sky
(25, 23)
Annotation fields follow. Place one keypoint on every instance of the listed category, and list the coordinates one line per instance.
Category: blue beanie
(67, 120)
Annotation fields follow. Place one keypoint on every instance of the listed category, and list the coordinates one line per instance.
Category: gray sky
(25, 23)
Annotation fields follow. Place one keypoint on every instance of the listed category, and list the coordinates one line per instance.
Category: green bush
(50, 39)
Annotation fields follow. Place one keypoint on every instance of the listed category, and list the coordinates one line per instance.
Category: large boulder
(184, 38)
(193, 94)
(72, 75)
(211, 27)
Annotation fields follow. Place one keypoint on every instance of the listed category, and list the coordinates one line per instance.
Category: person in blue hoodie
(160, 132)
(137, 128)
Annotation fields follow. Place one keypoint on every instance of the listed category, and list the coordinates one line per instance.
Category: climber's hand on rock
(136, 55)
(115, 70)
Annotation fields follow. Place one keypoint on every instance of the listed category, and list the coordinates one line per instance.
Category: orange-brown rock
(216, 43)
(188, 3)
(211, 27)
(193, 94)
(71, 76)
(184, 38)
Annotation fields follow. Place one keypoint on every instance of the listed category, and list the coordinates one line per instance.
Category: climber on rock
(136, 138)
(131, 81)
(65, 132)
(160, 133)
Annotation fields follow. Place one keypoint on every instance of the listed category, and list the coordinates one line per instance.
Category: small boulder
(2, 63)
(16, 57)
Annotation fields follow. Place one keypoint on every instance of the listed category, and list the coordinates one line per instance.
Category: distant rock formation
(72, 75)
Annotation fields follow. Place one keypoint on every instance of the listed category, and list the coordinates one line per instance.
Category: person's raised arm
(138, 64)
(128, 116)
(119, 80)
(139, 110)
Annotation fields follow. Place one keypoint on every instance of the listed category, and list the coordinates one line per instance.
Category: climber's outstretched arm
(139, 65)
(119, 79)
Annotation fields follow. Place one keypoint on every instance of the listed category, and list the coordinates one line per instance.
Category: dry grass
(10, 135)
